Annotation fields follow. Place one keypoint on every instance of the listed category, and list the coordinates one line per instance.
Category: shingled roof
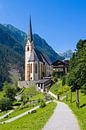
(38, 56)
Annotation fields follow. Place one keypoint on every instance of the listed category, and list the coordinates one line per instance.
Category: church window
(30, 68)
(27, 48)
(35, 67)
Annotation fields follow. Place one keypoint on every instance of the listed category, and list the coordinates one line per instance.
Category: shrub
(55, 79)
(5, 104)
(17, 103)
(9, 91)
(42, 104)
(63, 80)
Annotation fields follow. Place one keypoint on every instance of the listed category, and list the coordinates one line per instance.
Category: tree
(77, 70)
(5, 104)
(9, 91)
(63, 80)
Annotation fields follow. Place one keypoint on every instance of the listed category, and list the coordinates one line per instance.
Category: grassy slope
(26, 107)
(34, 121)
(30, 91)
(57, 88)
(38, 96)
(81, 112)
(35, 96)
(19, 111)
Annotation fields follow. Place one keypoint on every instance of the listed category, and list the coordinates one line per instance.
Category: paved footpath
(62, 119)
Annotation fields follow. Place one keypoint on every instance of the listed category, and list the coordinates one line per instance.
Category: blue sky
(60, 22)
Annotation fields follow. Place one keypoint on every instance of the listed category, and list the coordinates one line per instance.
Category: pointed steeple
(30, 31)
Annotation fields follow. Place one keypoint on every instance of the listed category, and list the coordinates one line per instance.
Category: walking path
(56, 96)
(1, 117)
(62, 119)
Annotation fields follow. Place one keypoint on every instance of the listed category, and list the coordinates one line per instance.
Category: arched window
(30, 68)
(27, 48)
(36, 68)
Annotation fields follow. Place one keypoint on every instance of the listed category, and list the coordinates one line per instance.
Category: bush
(42, 104)
(9, 91)
(63, 80)
(17, 103)
(55, 79)
(5, 104)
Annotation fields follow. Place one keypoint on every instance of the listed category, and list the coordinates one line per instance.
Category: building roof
(58, 62)
(30, 37)
(38, 56)
(42, 81)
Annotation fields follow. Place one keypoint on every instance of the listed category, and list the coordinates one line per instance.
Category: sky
(62, 23)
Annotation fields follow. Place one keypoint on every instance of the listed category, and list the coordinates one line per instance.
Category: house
(60, 68)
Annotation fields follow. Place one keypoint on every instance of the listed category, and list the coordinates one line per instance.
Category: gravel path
(62, 119)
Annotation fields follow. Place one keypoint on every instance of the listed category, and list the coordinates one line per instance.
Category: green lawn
(54, 88)
(19, 111)
(38, 96)
(81, 112)
(25, 107)
(30, 91)
(57, 88)
(3, 112)
(35, 121)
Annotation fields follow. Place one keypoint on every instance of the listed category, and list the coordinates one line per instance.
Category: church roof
(38, 56)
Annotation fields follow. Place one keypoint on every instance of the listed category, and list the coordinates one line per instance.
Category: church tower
(29, 47)
(36, 63)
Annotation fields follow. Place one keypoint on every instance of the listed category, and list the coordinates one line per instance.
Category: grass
(57, 88)
(3, 112)
(35, 96)
(19, 111)
(1, 94)
(20, 92)
(31, 90)
(35, 121)
(81, 112)
(38, 96)
(25, 107)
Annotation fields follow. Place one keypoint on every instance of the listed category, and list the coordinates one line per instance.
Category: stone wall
(26, 84)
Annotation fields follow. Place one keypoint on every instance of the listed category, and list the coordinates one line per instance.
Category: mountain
(17, 34)
(10, 62)
(7, 38)
(12, 42)
(43, 46)
(67, 54)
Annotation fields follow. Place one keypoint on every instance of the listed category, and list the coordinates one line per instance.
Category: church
(37, 64)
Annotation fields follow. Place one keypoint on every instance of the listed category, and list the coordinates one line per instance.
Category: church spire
(30, 31)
